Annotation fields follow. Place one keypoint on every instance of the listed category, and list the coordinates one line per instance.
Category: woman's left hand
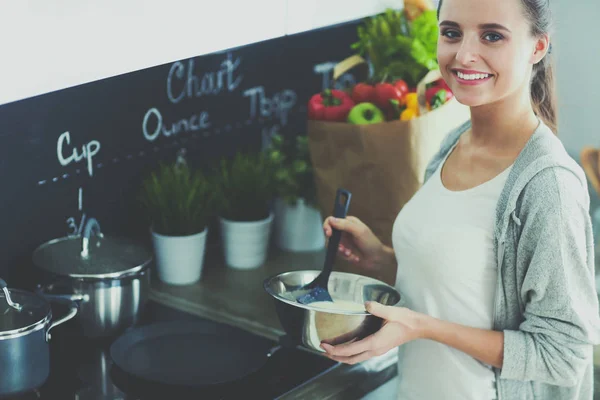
(400, 325)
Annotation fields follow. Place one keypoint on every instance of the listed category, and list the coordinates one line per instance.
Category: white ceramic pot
(179, 259)
(298, 228)
(245, 244)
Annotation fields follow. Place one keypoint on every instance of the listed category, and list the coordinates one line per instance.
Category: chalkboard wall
(81, 152)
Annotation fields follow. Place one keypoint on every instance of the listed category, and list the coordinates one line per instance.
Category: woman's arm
(403, 325)
(386, 265)
(560, 321)
(387, 257)
(554, 268)
(485, 345)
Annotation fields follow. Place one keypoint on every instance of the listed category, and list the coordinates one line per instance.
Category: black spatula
(318, 288)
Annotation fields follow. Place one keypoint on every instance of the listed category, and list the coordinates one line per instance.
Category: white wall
(48, 46)
(51, 45)
(303, 15)
(578, 66)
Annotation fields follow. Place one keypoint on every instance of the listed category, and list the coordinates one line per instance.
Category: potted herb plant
(245, 193)
(178, 201)
(298, 222)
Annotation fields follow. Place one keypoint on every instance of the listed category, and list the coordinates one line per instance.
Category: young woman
(494, 254)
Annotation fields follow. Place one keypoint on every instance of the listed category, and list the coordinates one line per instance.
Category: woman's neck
(504, 125)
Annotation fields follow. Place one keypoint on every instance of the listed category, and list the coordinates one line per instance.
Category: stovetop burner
(31, 395)
(267, 383)
(82, 369)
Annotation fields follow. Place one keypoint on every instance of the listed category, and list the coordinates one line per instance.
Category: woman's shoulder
(545, 166)
(554, 187)
(557, 193)
(545, 181)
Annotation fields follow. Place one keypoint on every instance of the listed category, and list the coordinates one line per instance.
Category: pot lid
(98, 257)
(32, 311)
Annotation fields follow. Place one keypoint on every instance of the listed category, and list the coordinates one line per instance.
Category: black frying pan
(189, 354)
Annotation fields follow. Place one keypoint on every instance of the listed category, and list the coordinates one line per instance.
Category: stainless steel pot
(25, 325)
(110, 275)
(309, 325)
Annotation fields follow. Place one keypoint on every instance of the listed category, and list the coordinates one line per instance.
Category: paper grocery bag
(383, 164)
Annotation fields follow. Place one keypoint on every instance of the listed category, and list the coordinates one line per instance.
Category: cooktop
(83, 369)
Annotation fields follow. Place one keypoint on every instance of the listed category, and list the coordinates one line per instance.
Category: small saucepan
(109, 275)
(25, 325)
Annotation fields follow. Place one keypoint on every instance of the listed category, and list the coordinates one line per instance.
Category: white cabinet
(49, 46)
(53, 45)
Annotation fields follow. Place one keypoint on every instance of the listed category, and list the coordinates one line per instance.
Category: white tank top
(443, 241)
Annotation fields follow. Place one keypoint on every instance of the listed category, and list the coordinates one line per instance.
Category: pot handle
(70, 315)
(65, 298)
(4, 288)
(91, 226)
(274, 350)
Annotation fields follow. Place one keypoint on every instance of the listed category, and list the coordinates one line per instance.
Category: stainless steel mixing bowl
(309, 325)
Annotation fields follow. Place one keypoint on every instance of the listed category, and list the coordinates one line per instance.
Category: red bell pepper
(363, 93)
(401, 85)
(384, 92)
(440, 97)
(432, 91)
(442, 83)
(429, 93)
(330, 105)
(395, 110)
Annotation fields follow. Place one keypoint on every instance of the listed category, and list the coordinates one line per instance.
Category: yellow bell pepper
(412, 101)
(412, 107)
(408, 114)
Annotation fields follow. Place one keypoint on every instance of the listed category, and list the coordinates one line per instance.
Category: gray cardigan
(546, 300)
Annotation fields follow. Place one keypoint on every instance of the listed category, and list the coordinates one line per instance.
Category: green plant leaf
(177, 200)
(246, 186)
(293, 173)
(389, 40)
(422, 56)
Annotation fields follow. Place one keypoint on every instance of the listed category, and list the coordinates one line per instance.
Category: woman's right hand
(358, 243)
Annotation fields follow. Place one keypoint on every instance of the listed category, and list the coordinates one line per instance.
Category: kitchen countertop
(237, 298)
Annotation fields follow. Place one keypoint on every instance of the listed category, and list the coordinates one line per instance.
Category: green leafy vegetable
(397, 48)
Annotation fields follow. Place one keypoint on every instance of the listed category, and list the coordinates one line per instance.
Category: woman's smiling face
(486, 49)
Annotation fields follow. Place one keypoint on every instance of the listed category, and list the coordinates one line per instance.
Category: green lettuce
(424, 31)
(397, 48)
